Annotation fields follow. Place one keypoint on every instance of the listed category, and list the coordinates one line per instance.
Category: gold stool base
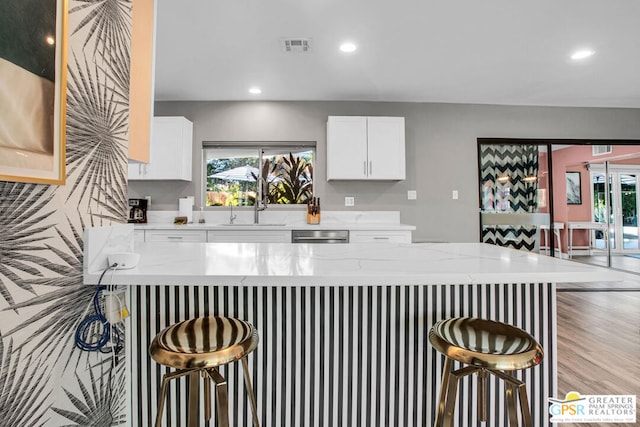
(222, 400)
(449, 393)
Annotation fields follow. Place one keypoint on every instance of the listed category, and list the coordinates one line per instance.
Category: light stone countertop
(273, 226)
(278, 219)
(287, 264)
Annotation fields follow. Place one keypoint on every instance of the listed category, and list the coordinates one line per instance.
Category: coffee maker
(138, 211)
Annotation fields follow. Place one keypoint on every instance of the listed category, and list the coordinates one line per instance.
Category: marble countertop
(279, 219)
(277, 226)
(286, 264)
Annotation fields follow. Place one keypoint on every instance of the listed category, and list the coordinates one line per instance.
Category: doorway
(514, 195)
(548, 196)
(624, 181)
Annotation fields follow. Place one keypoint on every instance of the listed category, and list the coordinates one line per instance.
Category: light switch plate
(454, 194)
(349, 201)
(412, 195)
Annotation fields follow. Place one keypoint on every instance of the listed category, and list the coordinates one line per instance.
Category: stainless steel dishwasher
(319, 236)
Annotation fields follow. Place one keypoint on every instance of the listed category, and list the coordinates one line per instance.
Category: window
(233, 170)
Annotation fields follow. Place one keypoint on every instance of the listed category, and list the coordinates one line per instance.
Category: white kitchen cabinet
(365, 148)
(170, 151)
(175, 236)
(371, 236)
(249, 236)
(138, 236)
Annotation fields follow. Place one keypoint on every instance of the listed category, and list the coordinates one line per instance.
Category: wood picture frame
(574, 189)
(33, 58)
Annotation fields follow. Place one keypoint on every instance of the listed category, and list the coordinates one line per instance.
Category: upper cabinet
(170, 151)
(141, 79)
(365, 148)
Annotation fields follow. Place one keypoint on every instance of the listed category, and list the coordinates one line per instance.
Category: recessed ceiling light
(582, 54)
(348, 47)
(255, 90)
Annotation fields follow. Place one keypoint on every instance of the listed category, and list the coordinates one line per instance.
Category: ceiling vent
(296, 45)
(599, 150)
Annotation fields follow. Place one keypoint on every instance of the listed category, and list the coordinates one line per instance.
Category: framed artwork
(573, 188)
(33, 38)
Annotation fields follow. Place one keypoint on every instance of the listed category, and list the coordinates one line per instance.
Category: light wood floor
(599, 340)
(619, 262)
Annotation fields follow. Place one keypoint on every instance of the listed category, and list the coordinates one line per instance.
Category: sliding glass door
(572, 198)
(627, 211)
(623, 201)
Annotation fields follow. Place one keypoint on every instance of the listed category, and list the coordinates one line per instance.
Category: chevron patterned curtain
(509, 184)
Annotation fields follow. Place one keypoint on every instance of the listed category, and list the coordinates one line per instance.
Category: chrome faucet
(261, 201)
(231, 215)
(258, 206)
(261, 196)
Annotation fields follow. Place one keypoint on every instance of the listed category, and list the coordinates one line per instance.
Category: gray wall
(441, 151)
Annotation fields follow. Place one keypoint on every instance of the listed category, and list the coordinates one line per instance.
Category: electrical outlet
(412, 195)
(148, 201)
(123, 260)
(349, 201)
(454, 194)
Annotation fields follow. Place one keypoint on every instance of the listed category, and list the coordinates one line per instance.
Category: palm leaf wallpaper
(44, 379)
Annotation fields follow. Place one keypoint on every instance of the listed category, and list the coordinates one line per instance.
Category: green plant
(294, 179)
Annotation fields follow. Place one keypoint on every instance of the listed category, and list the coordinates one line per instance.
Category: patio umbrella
(241, 173)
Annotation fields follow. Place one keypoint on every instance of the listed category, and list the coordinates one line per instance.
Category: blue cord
(85, 339)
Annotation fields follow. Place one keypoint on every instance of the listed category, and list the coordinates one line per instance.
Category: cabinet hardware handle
(380, 238)
(365, 167)
(175, 237)
(370, 167)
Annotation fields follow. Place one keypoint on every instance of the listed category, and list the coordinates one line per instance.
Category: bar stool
(487, 347)
(196, 347)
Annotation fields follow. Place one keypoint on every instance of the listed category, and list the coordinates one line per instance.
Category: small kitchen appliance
(138, 211)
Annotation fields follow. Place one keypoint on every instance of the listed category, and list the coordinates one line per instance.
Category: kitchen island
(343, 328)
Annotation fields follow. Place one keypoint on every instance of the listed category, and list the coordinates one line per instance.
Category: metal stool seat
(488, 347)
(196, 347)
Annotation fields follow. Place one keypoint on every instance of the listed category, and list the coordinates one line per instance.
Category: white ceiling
(511, 52)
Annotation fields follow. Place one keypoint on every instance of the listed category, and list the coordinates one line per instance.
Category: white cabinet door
(138, 236)
(136, 170)
(370, 236)
(175, 236)
(347, 147)
(365, 148)
(385, 145)
(170, 151)
(248, 236)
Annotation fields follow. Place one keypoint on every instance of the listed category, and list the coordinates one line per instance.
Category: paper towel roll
(185, 207)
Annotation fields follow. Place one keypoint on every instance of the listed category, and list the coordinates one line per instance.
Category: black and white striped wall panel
(342, 356)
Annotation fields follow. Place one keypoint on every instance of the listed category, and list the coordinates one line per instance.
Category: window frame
(258, 146)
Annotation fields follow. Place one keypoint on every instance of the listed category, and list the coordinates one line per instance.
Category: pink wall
(575, 158)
